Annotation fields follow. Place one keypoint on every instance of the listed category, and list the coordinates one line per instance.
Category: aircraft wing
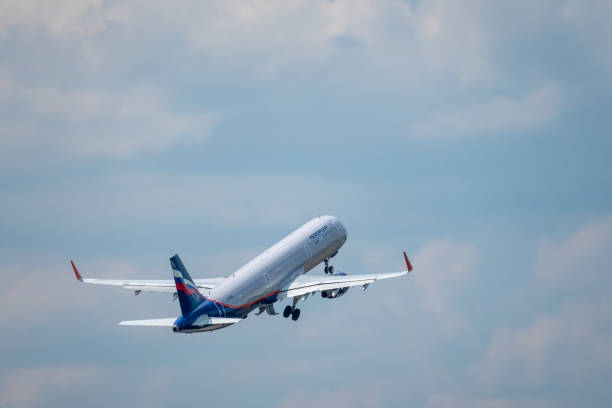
(310, 284)
(149, 285)
(303, 284)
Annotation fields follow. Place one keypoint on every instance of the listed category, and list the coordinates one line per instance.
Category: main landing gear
(293, 311)
(328, 269)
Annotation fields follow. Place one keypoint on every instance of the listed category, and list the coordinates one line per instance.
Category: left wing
(303, 284)
(149, 285)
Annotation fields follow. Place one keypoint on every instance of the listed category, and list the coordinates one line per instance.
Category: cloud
(583, 256)
(341, 397)
(97, 123)
(85, 384)
(414, 43)
(37, 295)
(494, 116)
(590, 19)
(579, 330)
(240, 200)
(459, 401)
(65, 21)
(442, 268)
(528, 357)
(77, 108)
(31, 387)
(268, 39)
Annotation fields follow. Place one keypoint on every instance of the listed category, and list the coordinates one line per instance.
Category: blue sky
(473, 135)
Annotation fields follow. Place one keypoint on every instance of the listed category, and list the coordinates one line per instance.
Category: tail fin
(188, 294)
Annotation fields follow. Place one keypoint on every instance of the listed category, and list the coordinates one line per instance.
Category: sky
(474, 135)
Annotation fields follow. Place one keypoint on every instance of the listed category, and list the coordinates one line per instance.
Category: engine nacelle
(335, 293)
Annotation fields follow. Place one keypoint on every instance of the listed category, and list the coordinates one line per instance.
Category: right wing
(310, 284)
(149, 285)
(305, 285)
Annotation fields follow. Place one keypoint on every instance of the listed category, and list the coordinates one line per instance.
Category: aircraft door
(308, 252)
(266, 281)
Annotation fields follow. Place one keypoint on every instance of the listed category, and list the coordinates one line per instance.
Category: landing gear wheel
(288, 310)
(326, 270)
(295, 314)
(331, 270)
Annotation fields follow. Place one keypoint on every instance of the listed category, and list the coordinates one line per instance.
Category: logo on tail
(188, 293)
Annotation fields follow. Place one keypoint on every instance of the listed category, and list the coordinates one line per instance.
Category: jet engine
(335, 293)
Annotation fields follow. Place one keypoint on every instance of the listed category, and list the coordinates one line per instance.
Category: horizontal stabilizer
(169, 322)
(205, 320)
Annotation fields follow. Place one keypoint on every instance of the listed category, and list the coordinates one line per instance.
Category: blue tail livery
(188, 294)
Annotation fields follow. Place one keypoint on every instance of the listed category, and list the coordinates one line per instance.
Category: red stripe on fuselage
(246, 304)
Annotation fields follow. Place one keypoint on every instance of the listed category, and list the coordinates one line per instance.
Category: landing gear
(291, 311)
(328, 269)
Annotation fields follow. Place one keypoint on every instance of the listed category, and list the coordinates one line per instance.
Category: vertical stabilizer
(188, 294)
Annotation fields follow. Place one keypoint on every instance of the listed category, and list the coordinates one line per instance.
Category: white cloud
(241, 200)
(566, 346)
(341, 397)
(591, 19)
(530, 356)
(500, 114)
(36, 295)
(268, 38)
(405, 40)
(442, 268)
(460, 401)
(66, 20)
(397, 45)
(97, 385)
(30, 387)
(401, 42)
(582, 257)
(99, 123)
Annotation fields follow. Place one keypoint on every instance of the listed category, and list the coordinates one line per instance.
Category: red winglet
(408, 264)
(76, 271)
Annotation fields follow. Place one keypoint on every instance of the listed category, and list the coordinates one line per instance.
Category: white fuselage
(276, 267)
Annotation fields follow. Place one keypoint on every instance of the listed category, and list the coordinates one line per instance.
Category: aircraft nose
(342, 229)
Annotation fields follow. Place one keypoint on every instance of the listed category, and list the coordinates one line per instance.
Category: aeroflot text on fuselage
(318, 232)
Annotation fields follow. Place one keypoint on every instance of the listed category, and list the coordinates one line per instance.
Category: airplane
(275, 275)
